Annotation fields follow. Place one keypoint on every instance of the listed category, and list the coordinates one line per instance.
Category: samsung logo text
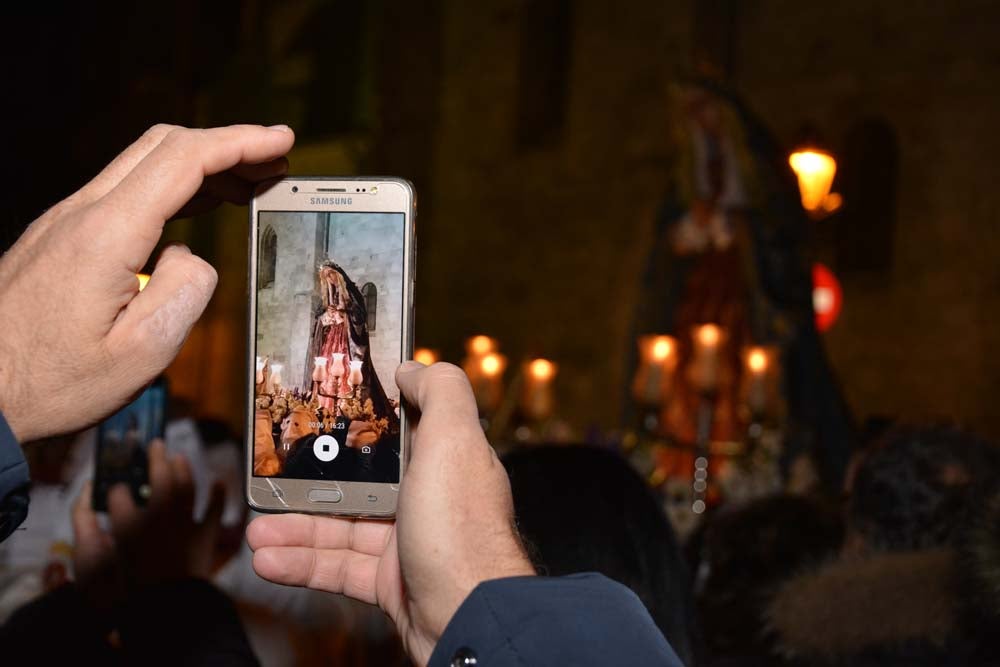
(326, 201)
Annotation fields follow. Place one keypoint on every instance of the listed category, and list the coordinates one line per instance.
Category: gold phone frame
(392, 195)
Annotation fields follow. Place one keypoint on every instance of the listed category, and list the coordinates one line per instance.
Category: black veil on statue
(357, 317)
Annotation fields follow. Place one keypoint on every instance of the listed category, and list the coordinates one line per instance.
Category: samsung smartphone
(331, 311)
(122, 444)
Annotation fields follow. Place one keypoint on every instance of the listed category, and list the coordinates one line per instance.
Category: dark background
(538, 134)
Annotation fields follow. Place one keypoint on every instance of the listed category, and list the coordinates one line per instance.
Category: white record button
(326, 448)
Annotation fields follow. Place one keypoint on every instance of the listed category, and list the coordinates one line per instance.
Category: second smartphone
(331, 311)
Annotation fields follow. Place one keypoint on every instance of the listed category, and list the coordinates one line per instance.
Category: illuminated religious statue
(340, 336)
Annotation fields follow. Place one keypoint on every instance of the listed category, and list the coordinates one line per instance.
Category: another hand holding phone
(454, 525)
(146, 545)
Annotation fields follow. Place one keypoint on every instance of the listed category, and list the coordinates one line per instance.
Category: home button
(325, 495)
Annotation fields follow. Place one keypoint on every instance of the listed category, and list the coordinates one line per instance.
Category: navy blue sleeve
(581, 620)
(14, 482)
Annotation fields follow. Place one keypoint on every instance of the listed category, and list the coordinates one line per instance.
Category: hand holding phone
(454, 528)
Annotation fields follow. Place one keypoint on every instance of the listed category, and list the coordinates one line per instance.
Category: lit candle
(657, 361)
(476, 349)
(757, 365)
(426, 356)
(319, 369)
(537, 401)
(355, 378)
(275, 379)
(706, 365)
(259, 379)
(480, 346)
(337, 366)
(487, 383)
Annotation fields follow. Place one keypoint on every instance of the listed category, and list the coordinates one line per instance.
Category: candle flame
(757, 360)
(815, 171)
(481, 345)
(491, 365)
(663, 347)
(426, 356)
(709, 335)
(143, 280)
(542, 369)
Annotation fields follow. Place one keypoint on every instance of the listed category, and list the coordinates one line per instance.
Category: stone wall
(285, 309)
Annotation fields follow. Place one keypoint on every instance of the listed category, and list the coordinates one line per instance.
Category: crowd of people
(554, 555)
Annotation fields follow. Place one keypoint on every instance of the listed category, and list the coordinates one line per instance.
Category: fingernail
(280, 128)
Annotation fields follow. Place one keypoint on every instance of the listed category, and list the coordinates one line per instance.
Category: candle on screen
(275, 378)
(337, 365)
(657, 362)
(259, 378)
(355, 378)
(319, 369)
(707, 363)
(426, 356)
(537, 400)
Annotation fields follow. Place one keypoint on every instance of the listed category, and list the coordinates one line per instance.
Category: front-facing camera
(295, 188)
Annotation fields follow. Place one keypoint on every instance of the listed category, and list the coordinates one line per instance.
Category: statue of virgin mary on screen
(340, 335)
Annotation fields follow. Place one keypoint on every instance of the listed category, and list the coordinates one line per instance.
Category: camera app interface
(329, 327)
(122, 443)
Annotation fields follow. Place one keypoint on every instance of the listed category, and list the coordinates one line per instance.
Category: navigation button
(325, 496)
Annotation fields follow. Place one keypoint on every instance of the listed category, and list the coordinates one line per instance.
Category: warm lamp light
(482, 345)
(143, 279)
(654, 375)
(815, 171)
(492, 365)
(425, 355)
(663, 347)
(542, 369)
(757, 360)
(709, 335)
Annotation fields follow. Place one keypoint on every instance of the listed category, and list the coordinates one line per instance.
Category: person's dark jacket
(14, 482)
(581, 620)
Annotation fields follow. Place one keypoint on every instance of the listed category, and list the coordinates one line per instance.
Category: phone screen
(122, 443)
(328, 340)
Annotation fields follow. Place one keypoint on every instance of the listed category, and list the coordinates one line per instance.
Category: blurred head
(747, 553)
(918, 487)
(299, 423)
(582, 509)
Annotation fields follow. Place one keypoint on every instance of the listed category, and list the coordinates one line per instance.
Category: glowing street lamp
(815, 171)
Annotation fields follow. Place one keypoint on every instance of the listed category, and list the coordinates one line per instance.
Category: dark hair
(747, 552)
(919, 486)
(582, 509)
